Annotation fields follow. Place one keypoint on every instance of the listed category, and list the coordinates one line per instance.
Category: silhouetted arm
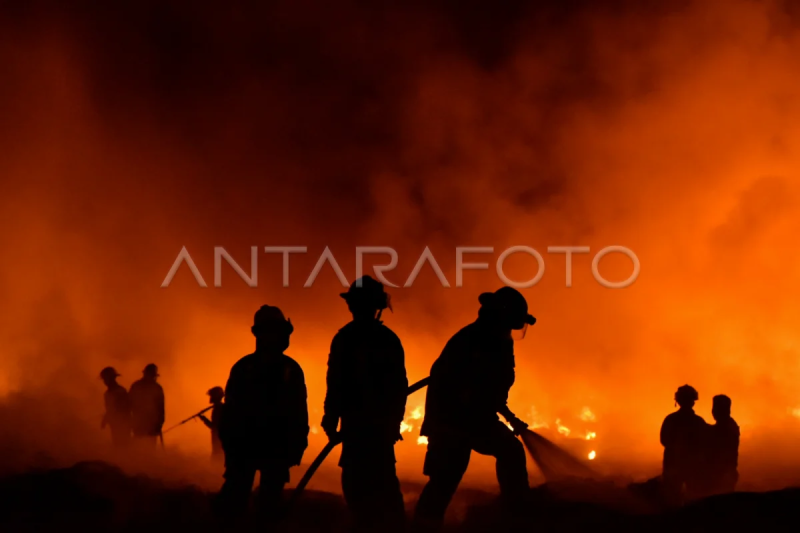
(665, 432)
(126, 402)
(505, 380)
(161, 408)
(107, 404)
(206, 421)
(133, 396)
(506, 413)
(333, 396)
(232, 400)
(398, 382)
(300, 401)
(299, 413)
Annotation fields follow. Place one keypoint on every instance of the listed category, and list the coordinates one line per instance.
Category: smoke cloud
(133, 130)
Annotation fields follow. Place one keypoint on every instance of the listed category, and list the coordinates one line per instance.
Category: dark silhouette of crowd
(263, 424)
(137, 413)
(700, 459)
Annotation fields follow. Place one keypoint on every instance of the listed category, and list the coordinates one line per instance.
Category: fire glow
(414, 417)
(688, 162)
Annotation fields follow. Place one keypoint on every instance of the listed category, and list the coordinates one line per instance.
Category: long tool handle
(298, 491)
(193, 416)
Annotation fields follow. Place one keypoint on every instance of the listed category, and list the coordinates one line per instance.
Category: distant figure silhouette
(469, 386)
(682, 435)
(215, 396)
(723, 447)
(264, 427)
(367, 387)
(118, 409)
(147, 405)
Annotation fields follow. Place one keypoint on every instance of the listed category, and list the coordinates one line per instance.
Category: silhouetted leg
(370, 486)
(389, 505)
(373, 495)
(355, 491)
(234, 496)
(672, 489)
(445, 463)
(512, 470)
(270, 492)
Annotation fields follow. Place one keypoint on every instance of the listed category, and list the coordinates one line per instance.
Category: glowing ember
(406, 426)
(314, 430)
(592, 455)
(422, 441)
(591, 435)
(587, 415)
(562, 429)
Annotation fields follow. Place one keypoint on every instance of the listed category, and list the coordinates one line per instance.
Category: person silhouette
(147, 405)
(723, 447)
(367, 387)
(264, 427)
(215, 396)
(118, 409)
(682, 436)
(469, 386)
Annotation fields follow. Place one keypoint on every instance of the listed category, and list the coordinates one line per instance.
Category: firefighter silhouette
(264, 427)
(147, 405)
(469, 385)
(118, 409)
(722, 447)
(683, 437)
(215, 395)
(367, 387)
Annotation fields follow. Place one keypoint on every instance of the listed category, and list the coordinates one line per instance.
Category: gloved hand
(334, 436)
(392, 432)
(331, 432)
(330, 427)
(518, 425)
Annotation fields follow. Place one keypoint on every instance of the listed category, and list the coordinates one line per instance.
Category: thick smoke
(134, 130)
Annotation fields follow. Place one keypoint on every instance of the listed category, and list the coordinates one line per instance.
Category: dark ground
(95, 496)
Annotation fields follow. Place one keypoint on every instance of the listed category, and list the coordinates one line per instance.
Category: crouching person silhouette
(469, 386)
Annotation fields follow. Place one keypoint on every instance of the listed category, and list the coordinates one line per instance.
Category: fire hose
(554, 462)
(184, 421)
(298, 491)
